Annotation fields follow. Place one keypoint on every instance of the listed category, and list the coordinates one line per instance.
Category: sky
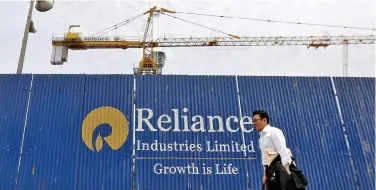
(93, 16)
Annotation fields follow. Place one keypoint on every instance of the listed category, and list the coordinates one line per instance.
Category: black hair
(262, 115)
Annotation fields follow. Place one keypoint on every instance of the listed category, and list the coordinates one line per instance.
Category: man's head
(260, 119)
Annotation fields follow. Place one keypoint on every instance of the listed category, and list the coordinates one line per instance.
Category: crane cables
(118, 25)
(277, 21)
(200, 25)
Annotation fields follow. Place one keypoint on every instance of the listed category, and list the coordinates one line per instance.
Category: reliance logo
(120, 126)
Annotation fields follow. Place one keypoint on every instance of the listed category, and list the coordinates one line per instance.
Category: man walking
(281, 173)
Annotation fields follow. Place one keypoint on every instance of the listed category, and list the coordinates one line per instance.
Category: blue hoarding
(14, 97)
(186, 122)
(357, 99)
(107, 121)
(50, 151)
(63, 111)
(304, 108)
(179, 132)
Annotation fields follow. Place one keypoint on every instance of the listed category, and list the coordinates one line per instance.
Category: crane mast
(147, 64)
(152, 61)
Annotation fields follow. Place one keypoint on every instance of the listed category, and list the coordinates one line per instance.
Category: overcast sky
(94, 16)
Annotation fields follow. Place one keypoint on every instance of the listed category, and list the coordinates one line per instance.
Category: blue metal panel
(14, 93)
(304, 108)
(202, 96)
(357, 100)
(52, 138)
(107, 169)
(58, 132)
(55, 154)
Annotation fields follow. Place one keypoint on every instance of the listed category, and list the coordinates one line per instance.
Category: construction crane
(152, 61)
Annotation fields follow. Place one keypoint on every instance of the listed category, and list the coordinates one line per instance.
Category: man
(277, 175)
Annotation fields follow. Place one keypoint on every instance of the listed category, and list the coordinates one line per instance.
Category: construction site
(151, 131)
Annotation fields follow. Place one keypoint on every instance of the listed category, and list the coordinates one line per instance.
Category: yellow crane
(152, 62)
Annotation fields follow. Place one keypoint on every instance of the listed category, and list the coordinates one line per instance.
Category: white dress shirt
(272, 137)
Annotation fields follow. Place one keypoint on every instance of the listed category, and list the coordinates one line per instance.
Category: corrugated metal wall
(190, 96)
(50, 145)
(14, 95)
(61, 124)
(357, 99)
(54, 156)
(305, 109)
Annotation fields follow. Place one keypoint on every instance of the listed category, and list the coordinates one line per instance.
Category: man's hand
(264, 180)
(287, 167)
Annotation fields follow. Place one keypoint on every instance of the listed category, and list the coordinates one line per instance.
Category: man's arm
(279, 143)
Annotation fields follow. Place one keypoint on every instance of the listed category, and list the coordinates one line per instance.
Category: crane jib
(124, 42)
